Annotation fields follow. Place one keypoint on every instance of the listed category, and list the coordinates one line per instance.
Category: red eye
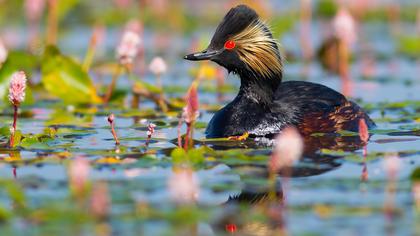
(231, 228)
(229, 45)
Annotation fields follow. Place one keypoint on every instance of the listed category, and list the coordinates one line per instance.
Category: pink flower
(135, 26)
(151, 129)
(78, 174)
(345, 26)
(183, 186)
(111, 118)
(190, 112)
(34, 9)
(288, 149)
(363, 131)
(392, 164)
(128, 47)
(158, 66)
(100, 202)
(123, 4)
(17, 88)
(3, 53)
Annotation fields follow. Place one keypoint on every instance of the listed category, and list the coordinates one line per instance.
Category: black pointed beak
(204, 55)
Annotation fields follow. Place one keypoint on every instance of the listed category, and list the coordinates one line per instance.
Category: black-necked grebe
(244, 45)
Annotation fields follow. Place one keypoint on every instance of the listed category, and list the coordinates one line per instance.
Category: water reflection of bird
(244, 45)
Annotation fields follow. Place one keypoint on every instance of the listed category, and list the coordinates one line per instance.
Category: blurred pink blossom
(128, 47)
(100, 202)
(158, 66)
(288, 149)
(3, 52)
(183, 186)
(17, 88)
(190, 112)
(34, 9)
(134, 25)
(98, 34)
(344, 26)
(78, 174)
(363, 131)
(416, 193)
(392, 164)
(123, 4)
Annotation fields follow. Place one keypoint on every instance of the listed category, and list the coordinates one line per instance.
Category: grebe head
(243, 44)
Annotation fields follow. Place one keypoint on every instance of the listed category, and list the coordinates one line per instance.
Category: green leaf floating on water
(66, 79)
(409, 45)
(17, 61)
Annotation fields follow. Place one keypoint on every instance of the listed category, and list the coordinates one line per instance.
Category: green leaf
(4, 214)
(34, 141)
(64, 7)
(62, 117)
(17, 138)
(415, 176)
(179, 155)
(409, 45)
(196, 156)
(66, 79)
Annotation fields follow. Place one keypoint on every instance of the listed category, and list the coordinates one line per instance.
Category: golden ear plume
(257, 48)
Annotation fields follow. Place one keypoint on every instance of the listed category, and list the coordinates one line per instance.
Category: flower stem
(179, 132)
(187, 136)
(90, 54)
(114, 134)
(12, 135)
(148, 140)
(52, 22)
(113, 83)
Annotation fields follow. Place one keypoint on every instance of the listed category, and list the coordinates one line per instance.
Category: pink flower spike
(190, 112)
(128, 47)
(3, 53)
(392, 164)
(111, 118)
(363, 131)
(150, 130)
(34, 9)
(288, 149)
(158, 66)
(183, 186)
(78, 174)
(17, 88)
(344, 26)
